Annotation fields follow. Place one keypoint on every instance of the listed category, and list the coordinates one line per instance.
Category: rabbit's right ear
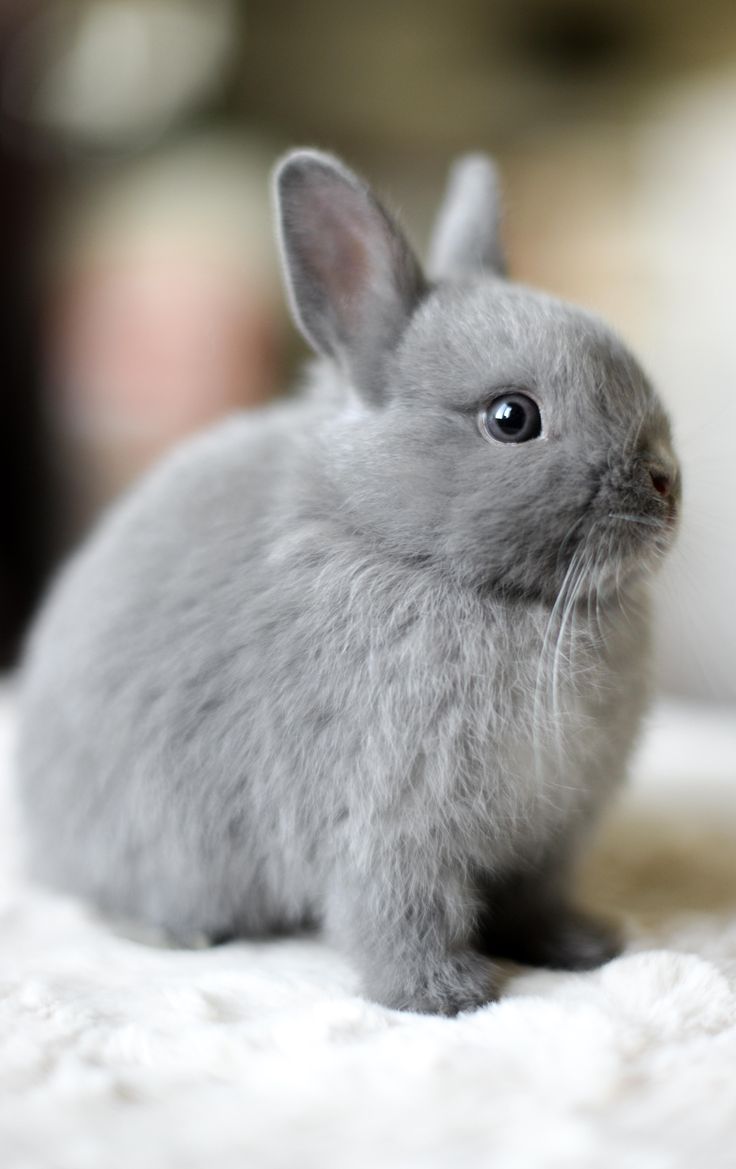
(352, 278)
(466, 239)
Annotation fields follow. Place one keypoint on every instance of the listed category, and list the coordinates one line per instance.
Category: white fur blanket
(117, 1055)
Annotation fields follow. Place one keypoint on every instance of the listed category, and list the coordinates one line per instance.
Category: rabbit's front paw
(441, 986)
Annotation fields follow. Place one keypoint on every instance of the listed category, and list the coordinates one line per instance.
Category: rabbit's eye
(511, 417)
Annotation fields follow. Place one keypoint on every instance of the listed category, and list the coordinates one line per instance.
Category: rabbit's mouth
(630, 545)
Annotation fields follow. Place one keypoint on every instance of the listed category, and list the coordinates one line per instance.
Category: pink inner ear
(338, 235)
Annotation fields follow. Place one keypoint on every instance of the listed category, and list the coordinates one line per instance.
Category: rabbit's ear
(466, 239)
(352, 279)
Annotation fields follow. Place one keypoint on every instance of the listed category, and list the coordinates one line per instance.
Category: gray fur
(343, 660)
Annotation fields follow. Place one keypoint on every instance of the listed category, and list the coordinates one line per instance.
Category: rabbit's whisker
(645, 521)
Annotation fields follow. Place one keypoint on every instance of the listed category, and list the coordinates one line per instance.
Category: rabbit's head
(494, 431)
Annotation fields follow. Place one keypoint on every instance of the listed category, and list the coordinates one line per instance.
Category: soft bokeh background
(139, 294)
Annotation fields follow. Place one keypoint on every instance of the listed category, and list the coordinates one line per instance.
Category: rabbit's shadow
(655, 864)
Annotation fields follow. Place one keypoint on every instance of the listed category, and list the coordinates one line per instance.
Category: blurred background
(139, 291)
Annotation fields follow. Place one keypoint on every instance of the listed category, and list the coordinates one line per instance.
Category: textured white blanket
(117, 1055)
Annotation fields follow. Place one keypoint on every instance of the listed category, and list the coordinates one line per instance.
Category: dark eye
(511, 417)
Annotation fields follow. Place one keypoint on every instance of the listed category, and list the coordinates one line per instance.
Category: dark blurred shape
(88, 89)
(26, 514)
(576, 39)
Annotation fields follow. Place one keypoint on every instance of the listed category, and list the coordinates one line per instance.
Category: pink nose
(661, 482)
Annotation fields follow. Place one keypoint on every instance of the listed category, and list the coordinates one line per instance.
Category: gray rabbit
(373, 657)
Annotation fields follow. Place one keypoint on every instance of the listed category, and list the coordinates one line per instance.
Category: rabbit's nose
(661, 481)
(664, 475)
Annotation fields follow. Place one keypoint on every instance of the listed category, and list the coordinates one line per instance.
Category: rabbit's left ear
(352, 279)
(466, 239)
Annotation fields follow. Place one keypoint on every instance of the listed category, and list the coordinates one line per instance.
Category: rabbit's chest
(531, 738)
(474, 727)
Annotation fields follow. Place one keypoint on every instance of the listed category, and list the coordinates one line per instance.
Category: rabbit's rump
(142, 683)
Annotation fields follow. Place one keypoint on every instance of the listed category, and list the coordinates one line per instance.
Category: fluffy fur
(345, 660)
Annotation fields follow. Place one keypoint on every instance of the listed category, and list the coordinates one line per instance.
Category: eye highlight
(510, 417)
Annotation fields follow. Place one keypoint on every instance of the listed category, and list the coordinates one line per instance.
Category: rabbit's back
(140, 686)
